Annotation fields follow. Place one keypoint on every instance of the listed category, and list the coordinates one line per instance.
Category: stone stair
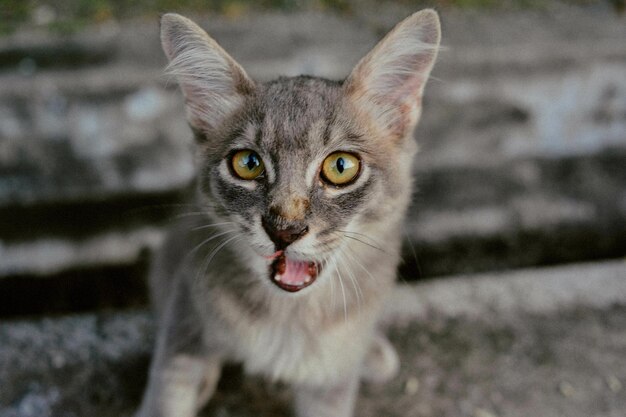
(522, 141)
(522, 164)
(531, 342)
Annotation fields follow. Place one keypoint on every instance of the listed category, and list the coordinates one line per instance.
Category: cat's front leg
(381, 362)
(334, 400)
(179, 386)
(184, 370)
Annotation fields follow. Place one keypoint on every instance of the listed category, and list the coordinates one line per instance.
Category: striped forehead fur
(290, 106)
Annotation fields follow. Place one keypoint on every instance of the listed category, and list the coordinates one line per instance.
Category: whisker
(191, 213)
(207, 262)
(210, 238)
(353, 280)
(371, 239)
(343, 292)
(365, 243)
(217, 249)
(332, 283)
(360, 264)
(161, 206)
(417, 262)
(206, 226)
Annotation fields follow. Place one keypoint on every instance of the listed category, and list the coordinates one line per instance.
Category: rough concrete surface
(546, 342)
(522, 137)
(523, 143)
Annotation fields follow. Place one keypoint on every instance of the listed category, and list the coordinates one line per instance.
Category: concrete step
(531, 211)
(544, 342)
(90, 135)
(522, 137)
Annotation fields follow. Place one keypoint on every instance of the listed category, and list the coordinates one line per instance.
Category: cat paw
(381, 363)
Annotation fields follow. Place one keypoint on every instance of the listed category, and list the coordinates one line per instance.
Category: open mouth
(292, 275)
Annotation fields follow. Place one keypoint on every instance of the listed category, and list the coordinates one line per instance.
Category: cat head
(302, 166)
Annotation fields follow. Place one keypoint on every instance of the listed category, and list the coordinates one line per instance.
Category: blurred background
(522, 168)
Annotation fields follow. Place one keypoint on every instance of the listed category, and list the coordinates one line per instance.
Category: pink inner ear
(402, 92)
(388, 83)
(213, 84)
(404, 119)
(406, 81)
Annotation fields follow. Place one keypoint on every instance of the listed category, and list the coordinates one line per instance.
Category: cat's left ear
(388, 83)
(213, 83)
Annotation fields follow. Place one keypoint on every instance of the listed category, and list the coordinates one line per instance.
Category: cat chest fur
(282, 347)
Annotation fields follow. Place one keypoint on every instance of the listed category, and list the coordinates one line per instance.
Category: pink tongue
(295, 272)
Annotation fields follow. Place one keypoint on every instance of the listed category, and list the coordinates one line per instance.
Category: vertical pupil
(340, 165)
(251, 161)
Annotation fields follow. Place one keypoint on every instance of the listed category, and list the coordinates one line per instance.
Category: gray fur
(211, 284)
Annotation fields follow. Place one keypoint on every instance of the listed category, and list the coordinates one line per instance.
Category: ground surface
(566, 364)
(507, 344)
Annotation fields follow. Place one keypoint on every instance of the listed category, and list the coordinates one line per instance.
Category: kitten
(303, 185)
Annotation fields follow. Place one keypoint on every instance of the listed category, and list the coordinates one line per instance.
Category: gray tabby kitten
(303, 185)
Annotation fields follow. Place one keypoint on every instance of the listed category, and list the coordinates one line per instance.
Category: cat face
(301, 165)
(297, 176)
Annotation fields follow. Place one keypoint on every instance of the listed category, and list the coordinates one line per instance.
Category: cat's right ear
(213, 83)
(387, 85)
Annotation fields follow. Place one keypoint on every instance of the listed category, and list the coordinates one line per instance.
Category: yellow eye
(340, 168)
(247, 165)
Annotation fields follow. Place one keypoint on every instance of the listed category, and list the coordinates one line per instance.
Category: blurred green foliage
(12, 11)
(71, 15)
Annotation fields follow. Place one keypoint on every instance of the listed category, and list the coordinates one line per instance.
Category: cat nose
(283, 236)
